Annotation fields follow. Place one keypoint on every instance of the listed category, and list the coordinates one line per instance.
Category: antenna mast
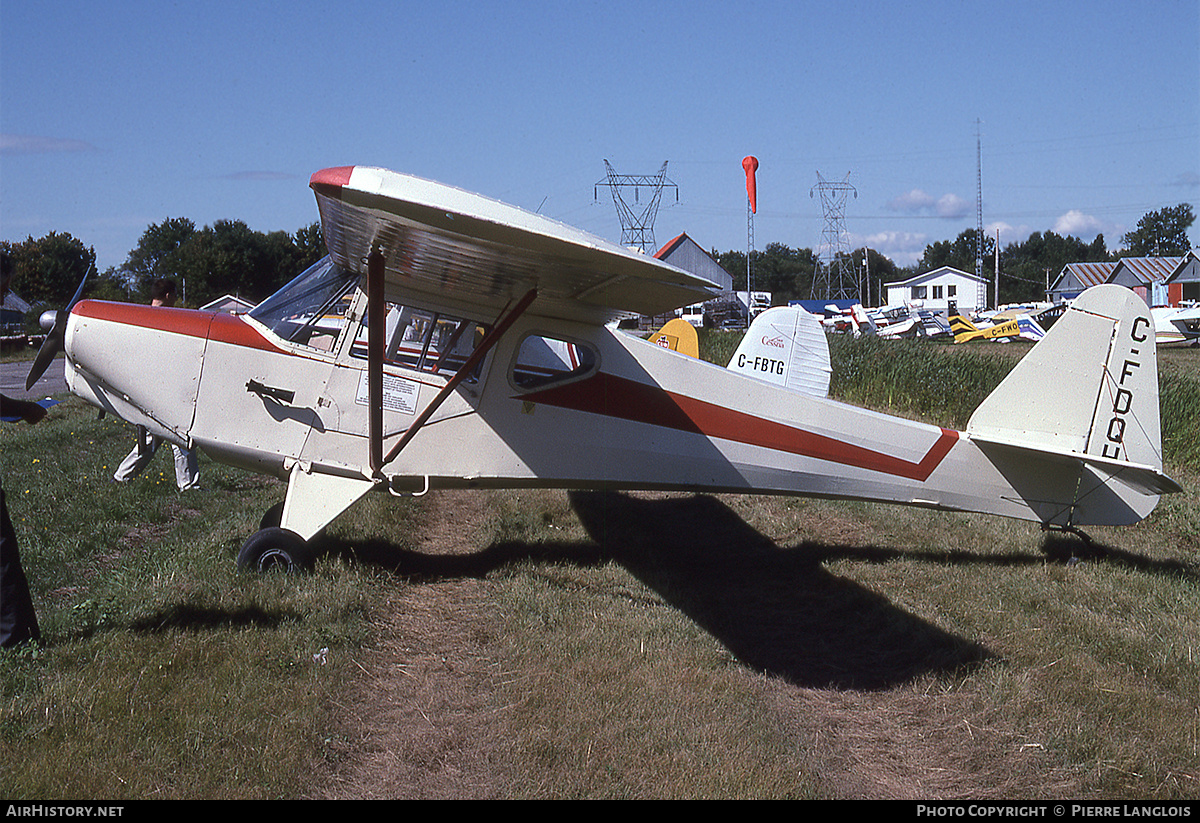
(981, 295)
(637, 228)
(833, 279)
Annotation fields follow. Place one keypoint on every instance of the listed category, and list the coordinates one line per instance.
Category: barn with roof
(1075, 278)
(1147, 276)
(947, 290)
(1184, 283)
(685, 253)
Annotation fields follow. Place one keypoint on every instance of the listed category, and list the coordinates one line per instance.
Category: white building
(946, 290)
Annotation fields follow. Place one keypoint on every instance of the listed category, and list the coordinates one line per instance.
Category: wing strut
(375, 365)
(376, 331)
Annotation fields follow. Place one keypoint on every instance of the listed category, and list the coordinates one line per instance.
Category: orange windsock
(750, 164)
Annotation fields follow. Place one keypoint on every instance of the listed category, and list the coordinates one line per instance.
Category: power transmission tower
(834, 279)
(981, 296)
(637, 227)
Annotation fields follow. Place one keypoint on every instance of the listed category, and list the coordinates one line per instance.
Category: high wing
(470, 251)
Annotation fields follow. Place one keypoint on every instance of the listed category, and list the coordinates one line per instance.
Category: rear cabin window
(425, 341)
(547, 361)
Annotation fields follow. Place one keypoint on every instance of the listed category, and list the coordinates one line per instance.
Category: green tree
(878, 270)
(1026, 268)
(310, 244)
(1162, 233)
(958, 254)
(159, 252)
(49, 270)
(227, 257)
(785, 272)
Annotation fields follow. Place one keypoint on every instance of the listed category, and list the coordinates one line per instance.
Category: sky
(1077, 116)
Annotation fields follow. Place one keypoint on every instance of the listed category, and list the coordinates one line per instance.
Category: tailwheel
(275, 549)
(1069, 529)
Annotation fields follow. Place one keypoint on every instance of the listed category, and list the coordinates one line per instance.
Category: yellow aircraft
(964, 330)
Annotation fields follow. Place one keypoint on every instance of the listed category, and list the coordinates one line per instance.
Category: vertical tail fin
(786, 345)
(678, 335)
(1088, 391)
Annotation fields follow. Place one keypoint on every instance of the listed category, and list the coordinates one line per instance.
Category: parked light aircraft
(1175, 324)
(1026, 324)
(452, 341)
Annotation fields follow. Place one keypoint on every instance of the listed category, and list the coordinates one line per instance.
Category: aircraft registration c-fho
(452, 341)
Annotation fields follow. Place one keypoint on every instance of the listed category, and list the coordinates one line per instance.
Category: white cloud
(1008, 232)
(916, 201)
(901, 247)
(1084, 226)
(951, 206)
(1077, 223)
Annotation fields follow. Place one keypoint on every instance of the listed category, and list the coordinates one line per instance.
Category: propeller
(55, 322)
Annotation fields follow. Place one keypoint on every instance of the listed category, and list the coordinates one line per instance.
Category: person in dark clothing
(18, 620)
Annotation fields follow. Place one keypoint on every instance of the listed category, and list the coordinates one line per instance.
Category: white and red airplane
(452, 341)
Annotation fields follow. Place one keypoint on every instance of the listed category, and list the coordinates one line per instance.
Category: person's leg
(187, 469)
(18, 621)
(137, 460)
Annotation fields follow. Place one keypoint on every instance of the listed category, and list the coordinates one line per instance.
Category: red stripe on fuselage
(224, 328)
(630, 400)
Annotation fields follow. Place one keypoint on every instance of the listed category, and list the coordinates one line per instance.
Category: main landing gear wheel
(275, 549)
(272, 517)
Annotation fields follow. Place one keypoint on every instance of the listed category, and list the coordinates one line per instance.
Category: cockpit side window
(546, 361)
(425, 341)
(310, 310)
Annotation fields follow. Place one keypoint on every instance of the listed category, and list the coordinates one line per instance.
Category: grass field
(555, 644)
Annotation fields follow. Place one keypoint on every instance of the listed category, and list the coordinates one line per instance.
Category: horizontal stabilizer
(1146, 479)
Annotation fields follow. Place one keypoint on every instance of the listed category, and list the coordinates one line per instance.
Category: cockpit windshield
(310, 310)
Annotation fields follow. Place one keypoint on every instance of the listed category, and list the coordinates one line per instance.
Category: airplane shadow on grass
(776, 609)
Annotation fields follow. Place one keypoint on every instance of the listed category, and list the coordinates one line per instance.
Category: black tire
(272, 517)
(275, 549)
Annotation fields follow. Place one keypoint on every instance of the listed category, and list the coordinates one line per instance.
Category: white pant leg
(136, 461)
(187, 469)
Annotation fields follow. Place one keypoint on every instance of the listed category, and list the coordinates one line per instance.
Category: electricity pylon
(834, 278)
(637, 227)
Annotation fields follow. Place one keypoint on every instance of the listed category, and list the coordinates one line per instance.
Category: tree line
(1027, 268)
(206, 263)
(230, 258)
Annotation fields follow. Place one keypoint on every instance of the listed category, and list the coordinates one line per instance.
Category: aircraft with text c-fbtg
(452, 341)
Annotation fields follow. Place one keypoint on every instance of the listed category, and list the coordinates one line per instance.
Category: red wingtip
(333, 178)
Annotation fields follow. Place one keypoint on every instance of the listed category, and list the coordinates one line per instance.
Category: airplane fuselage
(612, 412)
